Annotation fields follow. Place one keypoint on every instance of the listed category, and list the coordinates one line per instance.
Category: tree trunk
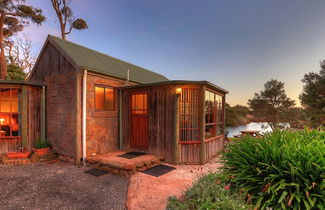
(3, 65)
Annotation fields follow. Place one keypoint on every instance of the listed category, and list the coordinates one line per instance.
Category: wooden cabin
(22, 112)
(97, 104)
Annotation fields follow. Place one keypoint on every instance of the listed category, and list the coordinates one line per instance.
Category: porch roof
(14, 82)
(180, 82)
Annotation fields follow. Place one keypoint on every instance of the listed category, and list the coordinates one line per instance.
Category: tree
(236, 115)
(19, 52)
(66, 18)
(271, 104)
(14, 16)
(313, 96)
(15, 72)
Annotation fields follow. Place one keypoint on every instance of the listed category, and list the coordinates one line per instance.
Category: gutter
(84, 116)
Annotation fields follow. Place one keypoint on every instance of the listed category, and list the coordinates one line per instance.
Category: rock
(124, 173)
(35, 158)
(131, 172)
(60, 172)
(115, 164)
(115, 171)
(129, 167)
(139, 164)
(147, 162)
(106, 168)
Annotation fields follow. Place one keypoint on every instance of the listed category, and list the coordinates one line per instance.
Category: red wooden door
(139, 121)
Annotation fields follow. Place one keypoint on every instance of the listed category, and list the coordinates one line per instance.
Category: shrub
(281, 170)
(40, 144)
(209, 192)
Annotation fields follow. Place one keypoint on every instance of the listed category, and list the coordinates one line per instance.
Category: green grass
(209, 193)
(282, 170)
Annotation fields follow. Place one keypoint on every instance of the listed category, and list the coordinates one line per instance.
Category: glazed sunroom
(182, 121)
(22, 115)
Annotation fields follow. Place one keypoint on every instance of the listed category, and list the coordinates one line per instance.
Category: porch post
(120, 118)
(43, 115)
(176, 126)
(24, 115)
(202, 125)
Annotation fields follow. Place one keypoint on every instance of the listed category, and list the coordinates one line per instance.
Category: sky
(235, 44)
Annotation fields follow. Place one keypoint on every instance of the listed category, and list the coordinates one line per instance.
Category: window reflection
(213, 114)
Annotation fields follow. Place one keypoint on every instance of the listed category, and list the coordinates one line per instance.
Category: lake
(263, 127)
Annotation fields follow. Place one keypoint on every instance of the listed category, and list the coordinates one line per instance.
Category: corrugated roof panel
(105, 64)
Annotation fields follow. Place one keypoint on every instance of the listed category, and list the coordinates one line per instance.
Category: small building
(22, 115)
(97, 104)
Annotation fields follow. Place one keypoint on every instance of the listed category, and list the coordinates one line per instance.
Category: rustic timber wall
(59, 75)
(34, 115)
(161, 107)
(102, 126)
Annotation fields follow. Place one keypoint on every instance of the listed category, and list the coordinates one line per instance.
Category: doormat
(130, 155)
(158, 170)
(95, 172)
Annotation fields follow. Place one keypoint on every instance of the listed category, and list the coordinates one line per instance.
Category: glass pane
(14, 106)
(4, 106)
(4, 94)
(99, 98)
(219, 130)
(14, 94)
(15, 125)
(209, 131)
(4, 124)
(139, 104)
(109, 99)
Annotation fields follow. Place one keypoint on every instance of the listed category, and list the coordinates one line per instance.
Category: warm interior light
(2, 120)
(178, 90)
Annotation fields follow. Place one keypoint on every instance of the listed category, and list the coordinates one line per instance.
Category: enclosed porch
(181, 121)
(21, 115)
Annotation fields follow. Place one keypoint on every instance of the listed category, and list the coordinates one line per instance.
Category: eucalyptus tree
(66, 18)
(15, 15)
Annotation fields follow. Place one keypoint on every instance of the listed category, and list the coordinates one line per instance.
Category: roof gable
(104, 64)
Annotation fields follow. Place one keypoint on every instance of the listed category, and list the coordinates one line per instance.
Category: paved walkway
(149, 192)
(59, 186)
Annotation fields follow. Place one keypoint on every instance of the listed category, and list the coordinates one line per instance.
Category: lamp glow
(178, 91)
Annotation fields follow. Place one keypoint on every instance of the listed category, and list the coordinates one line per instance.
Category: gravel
(59, 186)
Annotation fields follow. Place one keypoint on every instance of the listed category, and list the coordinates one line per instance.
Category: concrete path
(59, 186)
(149, 192)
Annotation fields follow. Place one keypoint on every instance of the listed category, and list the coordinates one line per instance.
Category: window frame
(215, 118)
(11, 113)
(114, 98)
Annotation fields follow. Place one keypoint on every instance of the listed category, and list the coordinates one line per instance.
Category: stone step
(15, 162)
(125, 167)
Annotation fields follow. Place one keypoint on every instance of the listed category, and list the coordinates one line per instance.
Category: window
(213, 115)
(104, 99)
(9, 113)
(189, 115)
(139, 103)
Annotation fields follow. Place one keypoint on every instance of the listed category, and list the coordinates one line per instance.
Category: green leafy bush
(40, 144)
(209, 193)
(281, 170)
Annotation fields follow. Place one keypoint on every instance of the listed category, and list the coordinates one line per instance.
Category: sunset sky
(238, 45)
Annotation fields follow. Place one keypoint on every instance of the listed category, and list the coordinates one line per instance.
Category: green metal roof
(104, 64)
